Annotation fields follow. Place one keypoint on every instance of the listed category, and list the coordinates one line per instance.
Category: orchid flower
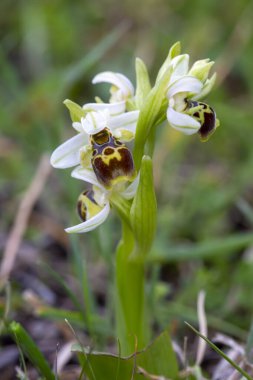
(93, 205)
(98, 116)
(185, 88)
(199, 70)
(121, 89)
(93, 117)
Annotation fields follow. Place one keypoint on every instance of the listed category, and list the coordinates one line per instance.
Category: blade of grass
(81, 273)
(86, 359)
(6, 309)
(52, 313)
(56, 83)
(210, 249)
(177, 310)
(74, 72)
(65, 286)
(9, 75)
(100, 325)
(249, 345)
(219, 352)
(246, 209)
(31, 350)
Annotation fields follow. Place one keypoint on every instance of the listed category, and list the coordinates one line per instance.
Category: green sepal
(144, 208)
(76, 111)
(175, 50)
(149, 113)
(143, 86)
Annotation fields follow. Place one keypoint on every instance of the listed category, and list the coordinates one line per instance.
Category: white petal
(91, 223)
(77, 126)
(182, 122)
(118, 80)
(130, 191)
(67, 154)
(95, 121)
(86, 175)
(180, 66)
(113, 108)
(185, 84)
(126, 121)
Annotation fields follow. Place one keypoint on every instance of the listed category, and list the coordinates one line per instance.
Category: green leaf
(157, 359)
(142, 82)
(144, 208)
(103, 366)
(31, 350)
(76, 111)
(224, 356)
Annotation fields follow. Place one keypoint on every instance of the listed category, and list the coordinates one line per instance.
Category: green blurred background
(50, 51)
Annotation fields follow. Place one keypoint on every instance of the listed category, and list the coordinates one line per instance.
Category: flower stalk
(131, 319)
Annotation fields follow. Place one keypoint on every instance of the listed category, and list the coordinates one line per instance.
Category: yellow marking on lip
(107, 158)
(101, 137)
(87, 208)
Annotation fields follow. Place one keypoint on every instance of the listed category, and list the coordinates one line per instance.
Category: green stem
(130, 296)
(122, 206)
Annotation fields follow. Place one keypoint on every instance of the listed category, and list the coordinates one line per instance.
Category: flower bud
(200, 69)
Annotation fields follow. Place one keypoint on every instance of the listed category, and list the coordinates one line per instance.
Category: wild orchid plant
(121, 180)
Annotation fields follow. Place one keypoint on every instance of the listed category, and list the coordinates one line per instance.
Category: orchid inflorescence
(99, 152)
